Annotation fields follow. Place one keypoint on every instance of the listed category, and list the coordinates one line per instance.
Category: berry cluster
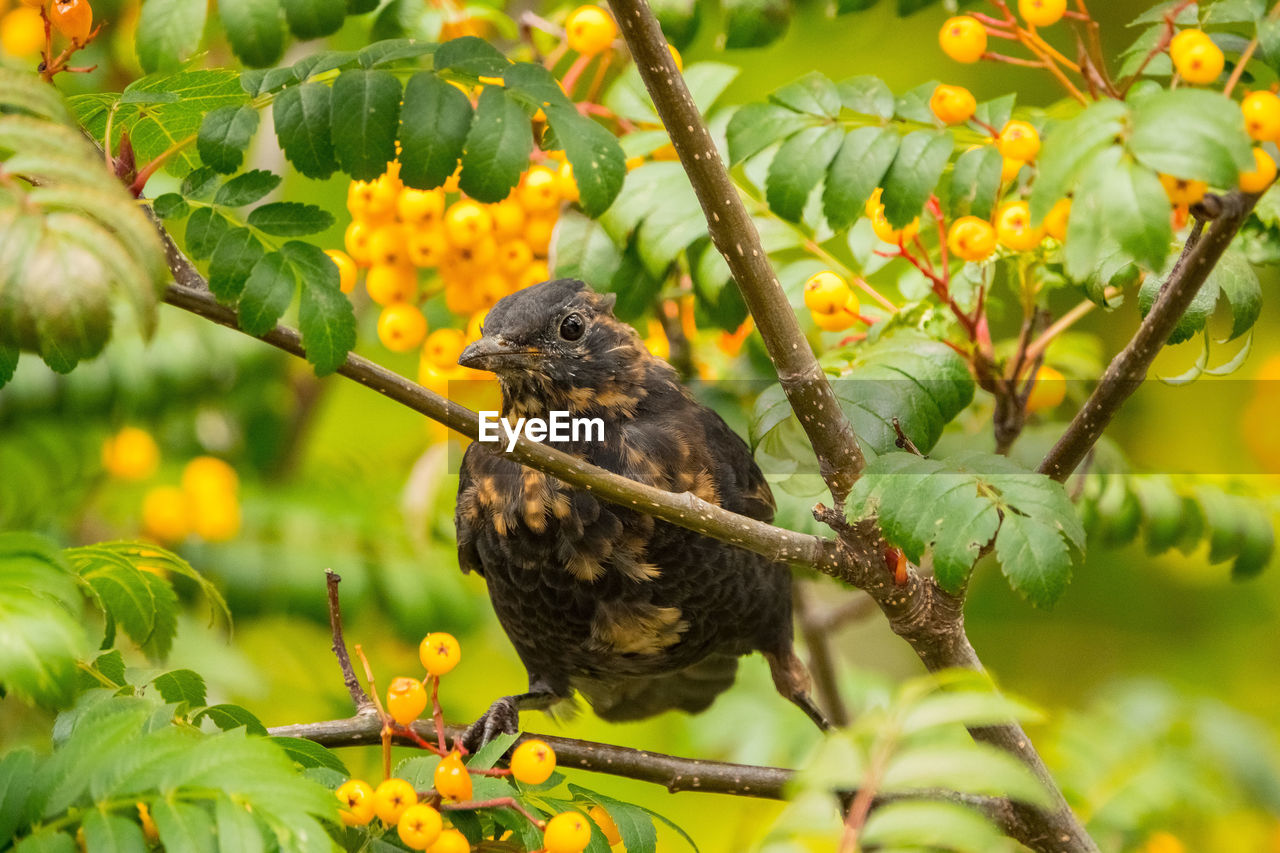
(206, 503)
(419, 817)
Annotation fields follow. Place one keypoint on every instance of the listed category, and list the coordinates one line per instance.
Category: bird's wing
(467, 516)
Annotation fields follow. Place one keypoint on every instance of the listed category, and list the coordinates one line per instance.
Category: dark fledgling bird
(636, 615)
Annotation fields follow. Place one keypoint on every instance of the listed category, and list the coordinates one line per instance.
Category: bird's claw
(503, 717)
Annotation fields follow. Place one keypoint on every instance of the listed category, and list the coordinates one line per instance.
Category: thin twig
(358, 697)
(822, 668)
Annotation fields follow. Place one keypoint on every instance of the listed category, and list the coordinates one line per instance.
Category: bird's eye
(572, 327)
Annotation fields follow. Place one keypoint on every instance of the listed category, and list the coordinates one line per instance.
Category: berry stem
(1037, 347)
(570, 79)
(597, 79)
(145, 173)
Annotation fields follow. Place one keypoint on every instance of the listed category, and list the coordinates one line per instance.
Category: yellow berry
(1009, 169)
(607, 825)
(971, 238)
(1185, 40)
(459, 296)
(477, 256)
(406, 700)
(451, 841)
(825, 292)
(533, 762)
(209, 475)
(538, 232)
(1042, 13)
(952, 104)
(676, 57)
(566, 185)
(1201, 62)
(216, 517)
(440, 652)
(1261, 115)
(1049, 390)
(567, 832)
(419, 826)
(535, 273)
(388, 285)
(401, 327)
(420, 207)
(72, 18)
(356, 241)
(130, 454)
(836, 321)
(391, 798)
(880, 224)
(1263, 174)
(452, 780)
(514, 257)
(387, 246)
(164, 514)
(357, 802)
(427, 247)
(963, 38)
(1019, 140)
(1055, 221)
(22, 32)
(508, 218)
(466, 223)
(347, 271)
(474, 326)
(590, 29)
(539, 190)
(1013, 227)
(1183, 192)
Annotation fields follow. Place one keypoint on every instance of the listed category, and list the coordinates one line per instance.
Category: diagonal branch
(840, 458)
(1129, 369)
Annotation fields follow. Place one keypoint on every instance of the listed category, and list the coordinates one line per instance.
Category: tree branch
(1129, 368)
(840, 459)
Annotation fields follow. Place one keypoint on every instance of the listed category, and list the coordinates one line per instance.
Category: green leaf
(200, 184)
(310, 19)
(267, 293)
(46, 841)
(975, 183)
(308, 753)
(914, 174)
(112, 833)
(391, 51)
(237, 830)
(122, 592)
(754, 23)
(183, 826)
(1197, 315)
(232, 261)
(169, 32)
(678, 19)
(229, 717)
(755, 127)
(974, 768)
(254, 30)
(1069, 147)
(170, 206)
(434, 122)
(247, 188)
(813, 94)
(1239, 283)
(204, 229)
(858, 168)
(8, 363)
(635, 825)
(868, 95)
(181, 686)
(225, 133)
(302, 117)
(983, 707)
(366, 114)
(290, 218)
(471, 55)
(599, 167)
(497, 147)
(326, 319)
(489, 754)
(934, 825)
(17, 767)
(1192, 133)
(798, 166)
(1136, 208)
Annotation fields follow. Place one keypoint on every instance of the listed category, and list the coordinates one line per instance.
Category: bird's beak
(495, 353)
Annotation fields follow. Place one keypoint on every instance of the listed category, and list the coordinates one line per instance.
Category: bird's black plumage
(635, 614)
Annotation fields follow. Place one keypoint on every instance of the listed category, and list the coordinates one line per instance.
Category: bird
(635, 615)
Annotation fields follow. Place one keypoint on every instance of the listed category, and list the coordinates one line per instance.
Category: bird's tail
(692, 690)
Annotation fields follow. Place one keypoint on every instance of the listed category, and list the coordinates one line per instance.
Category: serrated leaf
(975, 182)
(254, 29)
(122, 592)
(326, 318)
(930, 824)
(228, 717)
(1239, 283)
(17, 767)
(232, 261)
(599, 167)
(366, 117)
(1136, 208)
(678, 19)
(754, 23)
(868, 95)
(1194, 319)
(497, 148)
(798, 167)
(290, 218)
(200, 184)
(183, 826)
(1068, 149)
(974, 768)
(302, 120)
(110, 833)
(308, 753)
(857, 169)
(46, 841)
(267, 293)
(205, 228)
(635, 825)
(755, 127)
(1191, 133)
(169, 32)
(391, 51)
(310, 19)
(181, 686)
(247, 188)
(170, 206)
(237, 830)
(813, 93)
(966, 708)
(225, 133)
(434, 122)
(471, 55)
(913, 174)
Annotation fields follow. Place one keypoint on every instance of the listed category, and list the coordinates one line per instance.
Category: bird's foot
(503, 717)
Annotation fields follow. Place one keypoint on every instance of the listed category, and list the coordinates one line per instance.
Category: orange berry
(533, 762)
(387, 246)
(539, 190)
(391, 798)
(478, 256)
(356, 241)
(971, 238)
(963, 38)
(538, 232)
(607, 825)
(490, 288)
(565, 183)
(452, 779)
(357, 802)
(1202, 62)
(460, 297)
(440, 652)
(466, 223)
(22, 32)
(1049, 390)
(451, 841)
(1042, 13)
(1013, 227)
(1183, 192)
(590, 29)
(952, 104)
(427, 247)
(419, 826)
(420, 207)
(72, 18)
(513, 257)
(209, 475)
(215, 518)
(347, 270)
(1055, 221)
(401, 327)
(1009, 169)
(567, 832)
(1263, 174)
(508, 218)
(388, 285)
(1019, 140)
(1184, 40)
(825, 292)
(836, 321)
(1261, 115)
(406, 700)
(165, 515)
(130, 454)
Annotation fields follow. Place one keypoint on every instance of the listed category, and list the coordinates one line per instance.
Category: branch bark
(840, 459)
(1129, 368)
